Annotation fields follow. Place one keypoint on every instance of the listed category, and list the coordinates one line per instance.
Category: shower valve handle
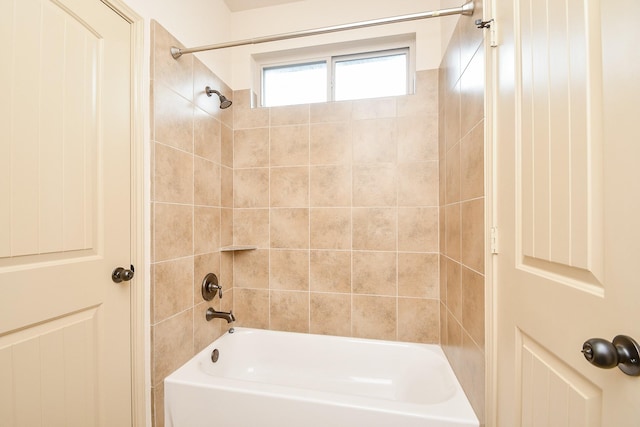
(210, 287)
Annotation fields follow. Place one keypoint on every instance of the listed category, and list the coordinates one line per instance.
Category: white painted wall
(194, 23)
(311, 14)
(203, 22)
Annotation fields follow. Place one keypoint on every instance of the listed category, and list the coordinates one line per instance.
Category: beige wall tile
(191, 177)
(453, 348)
(251, 227)
(289, 187)
(473, 305)
(418, 275)
(454, 289)
(472, 93)
(207, 179)
(443, 325)
(330, 111)
(374, 317)
(442, 225)
(289, 228)
(442, 184)
(418, 229)
(452, 114)
(417, 139)
(226, 227)
(452, 231)
(172, 287)
(451, 62)
(330, 186)
(374, 185)
(374, 108)
(472, 164)
(472, 375)
(244, 116)
(289, 311)
(374, 141)
(173, 119)
(290, 115)
(226, 271)
(172, 344)
(289, 145)
(443, 278)
(289, 270)
(226, 145)
(418, 105)
(469, 40)
(175, 74)
(206, 229)
(418, 184)
(251, 188)
(173, 175)
(330, 228)
(374, 229)
(330, 271)
(374, 273)
(330, 314)
(173, 231)
(251, 148)
(472, 234)
(226, 190)
(452, 192)
(207, 138)
(330, 143)
(251, 307)
(418, 320)
(461, 97)
(251, 269)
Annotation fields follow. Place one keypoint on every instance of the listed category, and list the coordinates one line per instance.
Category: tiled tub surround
(191, 208)
(344, 202)
(462, 198)
(341, 200)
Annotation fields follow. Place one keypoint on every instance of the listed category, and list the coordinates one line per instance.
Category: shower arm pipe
(465, 9)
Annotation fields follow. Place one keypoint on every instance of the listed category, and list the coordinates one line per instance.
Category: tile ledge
(237, 248)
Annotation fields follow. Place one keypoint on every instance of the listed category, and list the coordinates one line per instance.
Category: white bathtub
(269, 378)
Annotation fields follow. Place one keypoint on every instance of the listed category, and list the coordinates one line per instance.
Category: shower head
(224, 102)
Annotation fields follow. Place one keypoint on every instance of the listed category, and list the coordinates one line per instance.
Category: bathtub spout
(213, 314)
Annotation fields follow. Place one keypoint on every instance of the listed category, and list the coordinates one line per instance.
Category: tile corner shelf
(237, 248)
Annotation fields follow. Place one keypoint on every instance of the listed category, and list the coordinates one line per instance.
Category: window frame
(381, 46)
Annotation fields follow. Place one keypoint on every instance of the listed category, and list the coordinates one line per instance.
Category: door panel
(65, 143)
(567, 198)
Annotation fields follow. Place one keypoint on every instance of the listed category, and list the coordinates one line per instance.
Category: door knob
(121, 274)
(623, 352)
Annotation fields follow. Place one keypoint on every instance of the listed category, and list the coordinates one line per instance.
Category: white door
(65, 357)
(568, 208)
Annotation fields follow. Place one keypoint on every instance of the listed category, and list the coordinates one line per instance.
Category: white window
(294, 84)
(336, 74)
(371, 75)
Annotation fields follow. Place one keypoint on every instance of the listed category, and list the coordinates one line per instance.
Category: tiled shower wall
(341, 200)
(462, 208)
(191, 213)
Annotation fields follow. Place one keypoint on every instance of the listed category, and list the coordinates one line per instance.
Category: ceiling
(239, 5)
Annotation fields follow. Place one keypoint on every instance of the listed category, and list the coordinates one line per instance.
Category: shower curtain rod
(465, 9)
